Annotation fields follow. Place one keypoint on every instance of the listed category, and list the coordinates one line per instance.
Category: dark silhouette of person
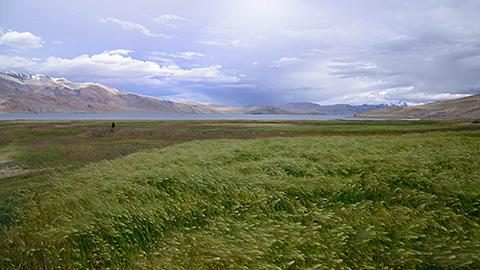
(113, 125)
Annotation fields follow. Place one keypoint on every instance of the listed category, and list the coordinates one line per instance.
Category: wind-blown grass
(343, 202)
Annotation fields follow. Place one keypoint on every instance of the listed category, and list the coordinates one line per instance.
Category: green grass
(328, 195)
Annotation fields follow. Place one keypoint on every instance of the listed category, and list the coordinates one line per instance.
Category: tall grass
(55, 144)
(408, 201)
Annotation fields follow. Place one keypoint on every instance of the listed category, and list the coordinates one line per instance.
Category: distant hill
(338, 109)
(462, 108)
(258, 109)
(28, 93)
(307, 108)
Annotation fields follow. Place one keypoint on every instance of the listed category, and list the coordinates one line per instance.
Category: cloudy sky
(252, 51)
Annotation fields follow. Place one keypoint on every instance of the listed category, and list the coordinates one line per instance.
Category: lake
(156, 116)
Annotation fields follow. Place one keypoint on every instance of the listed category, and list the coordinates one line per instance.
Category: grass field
(240, 195)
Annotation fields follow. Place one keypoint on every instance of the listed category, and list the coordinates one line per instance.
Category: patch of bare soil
(6, 170)
(10, 171)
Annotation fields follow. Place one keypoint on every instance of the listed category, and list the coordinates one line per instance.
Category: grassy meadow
(240, 195)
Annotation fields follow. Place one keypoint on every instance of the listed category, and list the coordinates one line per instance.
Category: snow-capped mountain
(34, 93)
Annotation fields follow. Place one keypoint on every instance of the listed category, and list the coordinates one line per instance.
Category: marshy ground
(239, 194)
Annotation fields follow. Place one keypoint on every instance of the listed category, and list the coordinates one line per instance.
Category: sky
(252, 52)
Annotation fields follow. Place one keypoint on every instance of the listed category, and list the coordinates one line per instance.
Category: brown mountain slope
(25, 93)
(462, 108)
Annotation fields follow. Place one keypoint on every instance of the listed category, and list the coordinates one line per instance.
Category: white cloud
(222, 43)
(128, 25)
(170, 20)
(161, 57)
(397, 95)
(116, 66)
(211, 73)
(189, 55)
(286, 61)
(21, 40)
(355, 69)
(109, 64)
(15, 63)
(119, 51)
(170, 57)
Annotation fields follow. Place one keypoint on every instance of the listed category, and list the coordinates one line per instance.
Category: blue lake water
(64, 116)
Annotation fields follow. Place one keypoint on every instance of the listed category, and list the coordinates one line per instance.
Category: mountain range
(33, 93)
(27, 93)
(461, 108)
